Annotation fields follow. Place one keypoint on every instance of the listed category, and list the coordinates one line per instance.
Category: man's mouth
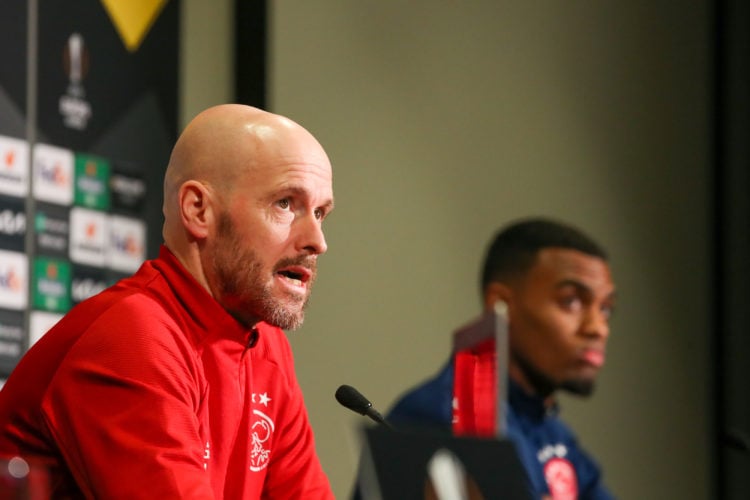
(295, 275)
(594, 357)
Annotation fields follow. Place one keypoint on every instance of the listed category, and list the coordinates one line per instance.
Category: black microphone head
(351, 398)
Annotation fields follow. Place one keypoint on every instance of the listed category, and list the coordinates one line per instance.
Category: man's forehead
(565, 263)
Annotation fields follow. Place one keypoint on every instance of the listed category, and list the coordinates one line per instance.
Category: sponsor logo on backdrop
(11, 340)
(12, 224)
(88, 236)
(73, 106)
(53, 174)
(14, 280)
(127, 243)
(87, 282)
(10, 332)
(128, 191)
(14, 166)
(39, 323)
(51, 284)
(52, 229)
(91, 182)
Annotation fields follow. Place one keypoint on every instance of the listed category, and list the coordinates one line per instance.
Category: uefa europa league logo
(75, 54)
(75, 63)
(74, 108)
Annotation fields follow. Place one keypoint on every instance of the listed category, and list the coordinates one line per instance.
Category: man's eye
(570, 302)
(318, 213)
(284, 203)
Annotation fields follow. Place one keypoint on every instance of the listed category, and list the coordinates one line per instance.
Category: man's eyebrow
(328, 206)
(583, 287)
(574, 283)
(303, 193)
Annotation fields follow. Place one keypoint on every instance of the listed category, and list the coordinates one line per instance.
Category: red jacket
(151, 390)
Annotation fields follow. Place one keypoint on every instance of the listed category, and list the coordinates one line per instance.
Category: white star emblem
(264, 399)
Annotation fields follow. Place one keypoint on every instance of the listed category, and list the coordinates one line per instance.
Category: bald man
(178, 382)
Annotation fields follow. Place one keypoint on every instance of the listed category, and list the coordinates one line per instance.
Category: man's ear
(196, 208)
(497, 291)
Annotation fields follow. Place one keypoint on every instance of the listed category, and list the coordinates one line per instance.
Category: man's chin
(285, 318)
(284, 309)
(579, 387)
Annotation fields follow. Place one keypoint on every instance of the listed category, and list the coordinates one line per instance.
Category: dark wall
(732, 232)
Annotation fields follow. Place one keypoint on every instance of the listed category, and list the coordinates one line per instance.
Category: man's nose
(596, 323)
(312, 238)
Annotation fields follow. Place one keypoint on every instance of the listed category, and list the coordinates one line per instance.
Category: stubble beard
(248, 296)
(545, 386)
(579, 387)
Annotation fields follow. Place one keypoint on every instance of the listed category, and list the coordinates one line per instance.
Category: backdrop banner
(88, 117)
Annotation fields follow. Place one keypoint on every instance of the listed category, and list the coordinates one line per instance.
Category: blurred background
(446, 120)
(443, 121)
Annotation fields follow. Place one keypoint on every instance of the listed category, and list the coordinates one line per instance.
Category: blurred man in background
(557, 285)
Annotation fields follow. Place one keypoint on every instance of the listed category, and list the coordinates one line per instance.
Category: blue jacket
(544, 443)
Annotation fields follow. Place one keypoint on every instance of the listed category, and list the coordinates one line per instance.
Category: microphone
(351, 398)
